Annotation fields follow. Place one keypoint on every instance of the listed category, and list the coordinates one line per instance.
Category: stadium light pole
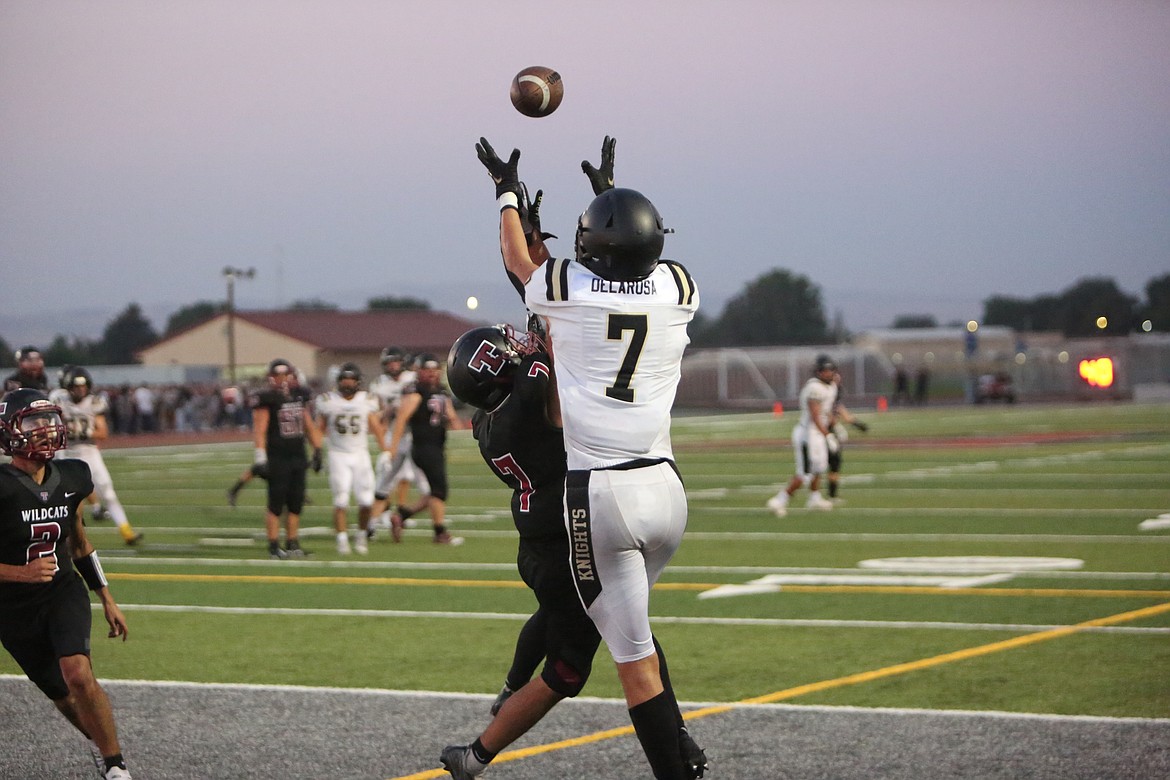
(231, 274)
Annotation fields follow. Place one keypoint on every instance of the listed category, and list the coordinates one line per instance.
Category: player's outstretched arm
(514, 247)
(509, 196)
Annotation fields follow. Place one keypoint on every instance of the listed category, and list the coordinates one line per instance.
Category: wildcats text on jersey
(45, 513)
(641, 287)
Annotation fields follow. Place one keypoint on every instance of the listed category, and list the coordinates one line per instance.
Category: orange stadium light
(1098, 372)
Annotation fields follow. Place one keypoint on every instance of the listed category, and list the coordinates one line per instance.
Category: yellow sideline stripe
(288, 579)
(824, 685)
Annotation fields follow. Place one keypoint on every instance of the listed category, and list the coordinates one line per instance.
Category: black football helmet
(393, 355)
(31, 425)
(281, 374)
(76, 379)
(620, 236)
(824, 363)
(349, 371)
(480, 366)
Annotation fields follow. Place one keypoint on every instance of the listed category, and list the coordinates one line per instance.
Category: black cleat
(694, 757)
(454, 760)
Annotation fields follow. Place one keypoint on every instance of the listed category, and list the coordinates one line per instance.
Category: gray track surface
(191, 732)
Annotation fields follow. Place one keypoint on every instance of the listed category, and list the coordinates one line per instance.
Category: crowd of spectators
(185, 408)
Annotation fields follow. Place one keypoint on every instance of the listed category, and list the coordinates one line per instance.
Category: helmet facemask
(34, 432)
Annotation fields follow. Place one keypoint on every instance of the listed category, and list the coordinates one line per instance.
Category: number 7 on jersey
(637, 324)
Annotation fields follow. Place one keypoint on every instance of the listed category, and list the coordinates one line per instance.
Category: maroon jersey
(526, 451)
(285, 436)
(36, 521)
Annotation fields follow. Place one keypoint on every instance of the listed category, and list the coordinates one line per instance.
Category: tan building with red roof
(312, 340)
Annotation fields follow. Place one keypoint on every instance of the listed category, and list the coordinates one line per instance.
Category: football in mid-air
(537, 91)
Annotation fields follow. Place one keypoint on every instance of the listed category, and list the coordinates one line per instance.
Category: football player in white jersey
(85, 413)
(394, 476)
(617, 317)
(346, 417)
(810, 439)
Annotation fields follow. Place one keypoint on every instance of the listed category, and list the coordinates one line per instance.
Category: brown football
(537, 91)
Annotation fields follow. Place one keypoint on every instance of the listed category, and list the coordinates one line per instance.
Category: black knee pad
(563, 678)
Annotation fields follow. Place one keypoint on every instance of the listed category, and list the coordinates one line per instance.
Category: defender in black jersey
(521, 440)
(281, 421)
(46, 562)
(427, 409)
(517, 427)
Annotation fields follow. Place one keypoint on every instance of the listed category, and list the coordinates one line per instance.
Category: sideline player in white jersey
(346, 417)
(85, 413)
(394, 475)
(810, 439)
(617, 317)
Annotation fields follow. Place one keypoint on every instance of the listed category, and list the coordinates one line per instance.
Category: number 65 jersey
(617, 352)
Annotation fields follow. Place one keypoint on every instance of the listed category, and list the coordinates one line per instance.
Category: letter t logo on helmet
(487, 358)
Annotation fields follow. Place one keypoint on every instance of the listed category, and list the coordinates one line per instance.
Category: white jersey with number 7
(617, 352)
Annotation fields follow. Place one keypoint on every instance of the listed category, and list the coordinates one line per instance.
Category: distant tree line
(778, 308)
(1075, 311)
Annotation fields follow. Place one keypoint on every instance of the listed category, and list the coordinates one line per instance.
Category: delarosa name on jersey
(640, 287)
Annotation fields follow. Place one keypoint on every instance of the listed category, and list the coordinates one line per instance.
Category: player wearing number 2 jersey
(45, 615)
(346, 417)
(617, 319)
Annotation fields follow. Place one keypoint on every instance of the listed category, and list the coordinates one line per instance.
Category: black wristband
(90, 569)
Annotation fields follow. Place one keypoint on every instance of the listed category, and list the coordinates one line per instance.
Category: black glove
(503, 173)
(315, 462)
(530, 216)
(260, 470)
(859, 425)
(601, 178)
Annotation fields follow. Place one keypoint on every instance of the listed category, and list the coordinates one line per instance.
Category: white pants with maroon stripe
(624, 527)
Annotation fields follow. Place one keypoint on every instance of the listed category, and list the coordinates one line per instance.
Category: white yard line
(113, 562)
(721, 536)
(695, 621)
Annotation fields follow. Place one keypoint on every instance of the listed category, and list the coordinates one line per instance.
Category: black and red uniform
(527, 452)
(40, 623)
(428, 426)
(284, 441)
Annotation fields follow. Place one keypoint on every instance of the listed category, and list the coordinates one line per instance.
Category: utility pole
(231, 274)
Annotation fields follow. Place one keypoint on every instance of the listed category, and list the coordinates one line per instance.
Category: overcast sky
(908, 157)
